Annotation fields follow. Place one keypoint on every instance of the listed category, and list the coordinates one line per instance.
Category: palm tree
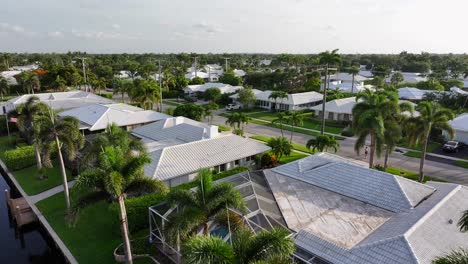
(455, 257)
(30, 82)
(4, 88)
(147, 93)
(275, 95)
(353, 71)
(62, 134)
(233, 120)
(99, 84)
(123, 87)
(208, 111)
(118, 173)
(196, 209)
(295, 119)
(26, 114)
(280, 146)
(323, 142)
(369, 115)
(243, 120)
(431, 116)
(463, 222)
(331, 58)
(281, 118)
(273, 246)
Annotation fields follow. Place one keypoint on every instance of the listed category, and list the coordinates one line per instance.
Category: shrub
(347, 133)
(20, 158)
(268, 160)
(223, 128)
(108, 96)
(172, 94)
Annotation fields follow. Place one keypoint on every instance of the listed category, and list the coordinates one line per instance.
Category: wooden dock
(20, 210)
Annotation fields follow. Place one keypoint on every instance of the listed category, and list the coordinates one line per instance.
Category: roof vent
(450, 221)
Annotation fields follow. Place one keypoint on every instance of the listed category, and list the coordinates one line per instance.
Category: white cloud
(55, 34)
(9, 28)
(208, 28)
(100, 35)
(116, 26)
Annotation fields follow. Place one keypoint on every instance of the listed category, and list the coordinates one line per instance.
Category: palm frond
(463, 222)
(205, 249)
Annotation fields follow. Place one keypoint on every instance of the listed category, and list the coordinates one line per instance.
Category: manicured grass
(463, 164)
(94, 235)
(172, 103)
(293, 157)
(222, 128)
(431, 147)
(251, 110)
(295, 146)
(30, 182)
(411, 175)
(413, 154)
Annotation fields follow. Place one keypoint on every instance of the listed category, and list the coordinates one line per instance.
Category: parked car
(453, 146)
(233, 107)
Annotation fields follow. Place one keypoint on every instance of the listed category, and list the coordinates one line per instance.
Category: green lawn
(431, 147)
(172, 103)
(293, 157)
(30, 182)
(295, 146)
(410, 175)
(93, 237)
(463, 164)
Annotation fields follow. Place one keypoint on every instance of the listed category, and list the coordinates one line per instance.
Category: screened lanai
(262, 214)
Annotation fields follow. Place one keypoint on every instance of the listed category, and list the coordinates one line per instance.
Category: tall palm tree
(233, 120)
(431, 116)
(280, 146)
(62, 134)
(323, 142)
(331, 58)
(275, 95)
(30, 82)
(353, 71)
(209, 111)
(119, 173)
(196, 209)
(123, 87)
(281, 118)
(243, 120)
(4, 88)
(369, 115)
(295, 119)
(26, 114)
(147, 93)
(273, 246)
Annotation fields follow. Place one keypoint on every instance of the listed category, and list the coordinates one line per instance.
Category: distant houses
(297, 101)
(198, 89)
(411, 93)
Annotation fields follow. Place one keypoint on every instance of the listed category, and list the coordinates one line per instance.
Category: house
(201, 88)
(409, 77)
(205, 76)
(460, 125)
(348, 87)
(95, 117)
(10, 76)
(179, 147)
(343, 77)
(239, 73)
(23, 68)
(342, 212)
(264, 62)
(411, 93)
(342, 109)
(57, 101)
(298, 101)
(457, 90)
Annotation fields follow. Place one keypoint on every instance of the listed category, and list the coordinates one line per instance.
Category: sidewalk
(46, 194)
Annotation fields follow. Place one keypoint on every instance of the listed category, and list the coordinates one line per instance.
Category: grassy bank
(462, 164)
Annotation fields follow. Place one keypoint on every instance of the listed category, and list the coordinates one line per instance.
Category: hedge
(347, 133)
(137, 207)
(108, 96)
(20, 158)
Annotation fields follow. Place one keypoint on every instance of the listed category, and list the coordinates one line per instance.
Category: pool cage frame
(262, 214)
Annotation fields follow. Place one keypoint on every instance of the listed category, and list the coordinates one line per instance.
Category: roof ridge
(199, 141)
(432, 211)
(400, 188)
(157, 164)
(102, 116)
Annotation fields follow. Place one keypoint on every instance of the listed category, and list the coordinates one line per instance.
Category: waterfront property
(95, 117)
(57, 101)
(179, 147)
(297, 101)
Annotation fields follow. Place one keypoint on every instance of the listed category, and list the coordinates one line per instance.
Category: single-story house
(412, 93)
(95, 117)
(460, 125)
(297, 101)
(340, 211)
(342, 109)
(179, 149)
(409, 77)
(201, 88)
(10, 76)
(347, 87)
(57, 101)
(344, 77)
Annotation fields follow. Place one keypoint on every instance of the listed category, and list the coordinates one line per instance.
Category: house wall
(461, 136)
(334, 116)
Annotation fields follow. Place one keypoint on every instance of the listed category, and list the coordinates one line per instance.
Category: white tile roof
(10, 76)
(199, 74)
(342, 106)
(98, 116)
(348, 88)
(412, 93)
(188, 158)
(460, 122)
(224, 88)
(346, 77)
(409, 77)
(293, 99)
(421, 227)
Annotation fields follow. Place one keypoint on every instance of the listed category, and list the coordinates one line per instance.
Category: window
(222, 167)
(330, 115)
(237, 162)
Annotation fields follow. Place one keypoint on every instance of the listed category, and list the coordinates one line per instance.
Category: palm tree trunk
(38, 157)
(387, 153)
(124, 230)
(206, 229)
(372, 151)
(281, 127)
(64, 173)
(423, 157)
(352, 85)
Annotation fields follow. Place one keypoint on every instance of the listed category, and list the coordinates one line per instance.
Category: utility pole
(160, 85)
(226, 64)
(195, 65)
(84, 72)
(322, 129)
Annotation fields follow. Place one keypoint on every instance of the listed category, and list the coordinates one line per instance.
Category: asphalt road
(432, 168)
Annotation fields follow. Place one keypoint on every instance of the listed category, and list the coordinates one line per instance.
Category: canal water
(30, 245)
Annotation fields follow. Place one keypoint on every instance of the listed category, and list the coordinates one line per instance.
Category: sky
(233, 26)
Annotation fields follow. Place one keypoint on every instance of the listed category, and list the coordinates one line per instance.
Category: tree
(29, 81)
(281, 118)
(233, 120)
(59, 84)
(432, 116)
(368, 119)
(272, 246)
(26, 114)
(330, 58)
(62, 134)
(197, 80)
(295, 119)
(192, 111)
(4, 88)
(275, 95)
(396, 78)
(122, 87)
(212, 94)
(353, 71)
(208, 111)
(246, 97)
(147, 93)
(230, 78)
(280, 146)
(463, 222)
(455, 257)
(99, 84)
(323, 142)
(197, 208)
(119, 172)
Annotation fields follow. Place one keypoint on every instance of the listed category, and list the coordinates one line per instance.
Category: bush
(223, 128)
(172, 94)
(108, 96)
(347, 133)
(20, 158)
(268, 160)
